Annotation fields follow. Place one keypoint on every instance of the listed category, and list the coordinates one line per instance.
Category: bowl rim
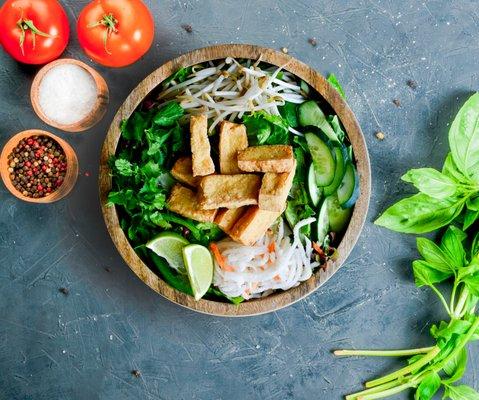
(96, 113)
(71, 175)
(278, 299)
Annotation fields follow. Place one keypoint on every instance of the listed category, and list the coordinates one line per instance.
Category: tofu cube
(253, 225)
(233, 138)
(273, 158)
(275, 189)
(183, 201)
(227, 217)
(183, 172)
(228, 191)
(202, 164)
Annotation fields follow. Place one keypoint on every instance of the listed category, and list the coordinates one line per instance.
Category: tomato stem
(110, 22)
(28, 25)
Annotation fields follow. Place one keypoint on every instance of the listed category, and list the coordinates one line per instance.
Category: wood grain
(315, 80)
(98, 110)
(70, 176)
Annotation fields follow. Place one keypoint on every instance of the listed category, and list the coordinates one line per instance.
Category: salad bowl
(326, 91)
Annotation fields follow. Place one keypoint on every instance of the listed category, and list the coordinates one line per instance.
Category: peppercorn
(37, 166)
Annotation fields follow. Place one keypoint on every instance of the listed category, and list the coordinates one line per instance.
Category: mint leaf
(431, 182)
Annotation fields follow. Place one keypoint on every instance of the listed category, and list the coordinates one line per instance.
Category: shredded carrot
(220, 259)
(272, 247)
(277, 278)
(318, 248)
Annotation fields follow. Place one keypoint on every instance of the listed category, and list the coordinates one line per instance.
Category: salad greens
(450, 196)
(453, 192)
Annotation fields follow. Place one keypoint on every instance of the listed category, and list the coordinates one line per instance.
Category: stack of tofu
(248, 194)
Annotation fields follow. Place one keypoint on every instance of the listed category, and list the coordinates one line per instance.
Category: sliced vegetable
(348, 191)
(323, 159)
(309, 114)
(341, 156)
(322, 227)
(313, 189)
(199, 266)
(338, 216)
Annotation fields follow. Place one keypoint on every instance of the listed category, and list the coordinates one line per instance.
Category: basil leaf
(456, 367)
(473, 204)
(434, 255)
(431, 182)
(420, 213)
(462, 392)
(469, 218)
(428, 387)
(335, 84)
(464, 138)
(450, 169)
(451, 244)
(472, 283)
(426, 275)
(475, 246)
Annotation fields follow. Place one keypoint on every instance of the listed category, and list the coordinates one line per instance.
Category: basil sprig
(445, 195)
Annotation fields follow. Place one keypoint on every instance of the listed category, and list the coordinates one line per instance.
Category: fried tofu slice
(253, 225)
(273, 158)
(183, 172)
(183, 201)
(227, 217)
(233, 138)
(275, 189)
(228, 191)
(202, 163)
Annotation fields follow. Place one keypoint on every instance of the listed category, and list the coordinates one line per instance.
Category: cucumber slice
(348, 191)
(314, 190)
(323, 159)
(304, 87)
(341, 155)
(338, 217)
(322, 226)
(309, 114)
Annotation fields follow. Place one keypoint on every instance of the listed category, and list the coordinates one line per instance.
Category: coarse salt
(67, 94)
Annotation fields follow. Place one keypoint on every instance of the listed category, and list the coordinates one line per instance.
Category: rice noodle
(256, 270)
(233, 88)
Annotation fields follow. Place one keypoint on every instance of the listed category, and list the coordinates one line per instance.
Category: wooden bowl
(98, 110)
(281, 298)
(70, 176)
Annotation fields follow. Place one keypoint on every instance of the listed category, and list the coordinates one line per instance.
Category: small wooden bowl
(70, 176)
(98, 110)
(278, 299)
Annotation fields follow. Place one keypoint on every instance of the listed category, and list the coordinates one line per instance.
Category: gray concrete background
(84, 345)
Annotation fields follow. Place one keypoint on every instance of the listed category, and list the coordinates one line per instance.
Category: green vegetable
(309, 114)
(323, 159)
(443, 195)
(264, 128)
(179, 76)
(290, 114)
(444, 363)
(335, 84)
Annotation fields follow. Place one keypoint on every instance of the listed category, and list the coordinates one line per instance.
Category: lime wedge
(169, 245)
(199, 266)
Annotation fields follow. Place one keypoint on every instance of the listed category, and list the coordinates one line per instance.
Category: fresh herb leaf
(290, 114)
(431, 182)
(335, 84)
(125, 167)
(462, 392)
(420, 213)
(451, 244)
(434, 255)
(134, 128)
(464, 139)
(428, 387)
(266, 129)
(168, 115)
(456, 367)
(179, 76)
(426, 275)
(469, 218)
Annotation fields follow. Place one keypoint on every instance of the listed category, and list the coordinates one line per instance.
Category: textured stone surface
(84, 345)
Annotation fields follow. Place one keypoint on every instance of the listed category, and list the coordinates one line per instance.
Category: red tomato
(34, 31)
(115, 33)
